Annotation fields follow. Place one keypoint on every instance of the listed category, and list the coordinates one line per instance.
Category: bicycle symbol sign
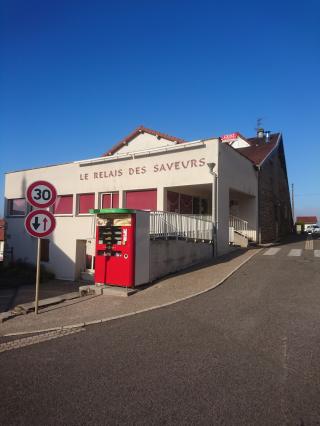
(41, 194)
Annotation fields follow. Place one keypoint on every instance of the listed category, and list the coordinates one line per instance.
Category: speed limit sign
(41, 194)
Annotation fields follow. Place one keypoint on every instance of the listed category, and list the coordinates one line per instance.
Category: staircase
(238, 232)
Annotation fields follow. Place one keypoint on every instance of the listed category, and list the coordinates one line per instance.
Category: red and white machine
(122, 247)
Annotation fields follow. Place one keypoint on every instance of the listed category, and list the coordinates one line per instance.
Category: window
(44, 247)
(110, 200)
(196, 205)
(143, 200)
(185, 204)
(17, 207)
(173, 202)
(85, 203)
(63, 205)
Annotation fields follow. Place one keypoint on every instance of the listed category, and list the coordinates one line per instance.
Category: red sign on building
(230, 136)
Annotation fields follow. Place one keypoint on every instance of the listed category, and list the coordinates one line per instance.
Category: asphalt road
(246, 353)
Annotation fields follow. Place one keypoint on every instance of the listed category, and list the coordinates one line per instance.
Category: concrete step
(117, 291)
(87, 276)
(240, 240)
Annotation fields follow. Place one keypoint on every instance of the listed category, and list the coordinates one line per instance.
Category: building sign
(229, 137)
(157, 168)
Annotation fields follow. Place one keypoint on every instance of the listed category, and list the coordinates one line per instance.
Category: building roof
(257, 152)
(256, 141)
(135, 133)
(307, 219)
(259, 149)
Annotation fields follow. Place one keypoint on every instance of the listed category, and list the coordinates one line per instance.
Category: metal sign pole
(37, 277)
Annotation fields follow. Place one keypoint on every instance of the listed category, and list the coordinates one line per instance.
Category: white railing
(231, 234)
(238, 224)
(241, 226)
(251, 234)
(175, 225)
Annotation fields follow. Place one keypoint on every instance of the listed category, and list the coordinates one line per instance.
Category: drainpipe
(214, 207)
(258, 168)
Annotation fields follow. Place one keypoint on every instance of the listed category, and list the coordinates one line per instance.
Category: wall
(275, 216)
(62, 251)
(235, 173)
(145, 141)
(169, 256)
(185, 165)
(246, 210)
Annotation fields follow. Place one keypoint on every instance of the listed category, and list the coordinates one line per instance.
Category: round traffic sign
(41, 194)
(40, 223)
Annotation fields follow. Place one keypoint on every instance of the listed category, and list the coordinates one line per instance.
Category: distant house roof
(259, 149)
(135, 133)
(307, 219)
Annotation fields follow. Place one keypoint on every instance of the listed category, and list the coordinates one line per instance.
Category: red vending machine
(122, 246)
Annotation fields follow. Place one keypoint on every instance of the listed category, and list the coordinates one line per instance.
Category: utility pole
(292, 200)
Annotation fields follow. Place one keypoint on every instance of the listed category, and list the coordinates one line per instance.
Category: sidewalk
(94, 309)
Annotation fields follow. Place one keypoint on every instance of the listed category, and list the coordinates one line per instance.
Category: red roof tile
(307, 219)
(136, 132)
(259, 149)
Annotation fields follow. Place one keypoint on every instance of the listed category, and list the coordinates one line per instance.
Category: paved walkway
(94, 309)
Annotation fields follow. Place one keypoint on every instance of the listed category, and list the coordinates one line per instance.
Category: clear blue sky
(77, 76)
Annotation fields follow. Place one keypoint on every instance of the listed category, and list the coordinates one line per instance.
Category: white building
(146, 170)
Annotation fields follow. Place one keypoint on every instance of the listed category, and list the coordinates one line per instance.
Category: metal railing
(241, 226)
(238, 224)
(166, 225)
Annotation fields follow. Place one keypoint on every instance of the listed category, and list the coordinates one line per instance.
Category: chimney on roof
(267, 133)
(260, 133)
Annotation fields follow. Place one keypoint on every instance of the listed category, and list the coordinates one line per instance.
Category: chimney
(267, 133)
(260, 133)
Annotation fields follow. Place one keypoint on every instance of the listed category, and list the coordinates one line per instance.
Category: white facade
(207, 170)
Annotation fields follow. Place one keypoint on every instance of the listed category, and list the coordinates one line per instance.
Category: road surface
(246, 353)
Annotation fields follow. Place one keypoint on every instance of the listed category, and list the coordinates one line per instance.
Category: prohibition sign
(40, 223)
(41, 194)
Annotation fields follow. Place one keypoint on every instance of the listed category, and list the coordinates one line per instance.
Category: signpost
(40, 223)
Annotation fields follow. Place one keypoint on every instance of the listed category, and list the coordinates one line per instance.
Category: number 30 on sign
(41, 194)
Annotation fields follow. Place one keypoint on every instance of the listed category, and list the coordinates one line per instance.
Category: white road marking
(271, 251)
(309, 244)
(316, 253)
(295, 252)
(32, 340)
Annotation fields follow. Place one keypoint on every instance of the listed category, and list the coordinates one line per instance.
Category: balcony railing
(167, 225)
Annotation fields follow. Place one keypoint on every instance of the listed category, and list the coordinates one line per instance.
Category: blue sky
(77, 76)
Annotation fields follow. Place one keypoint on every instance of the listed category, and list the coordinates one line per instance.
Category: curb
(141, 311)
(26, 308)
